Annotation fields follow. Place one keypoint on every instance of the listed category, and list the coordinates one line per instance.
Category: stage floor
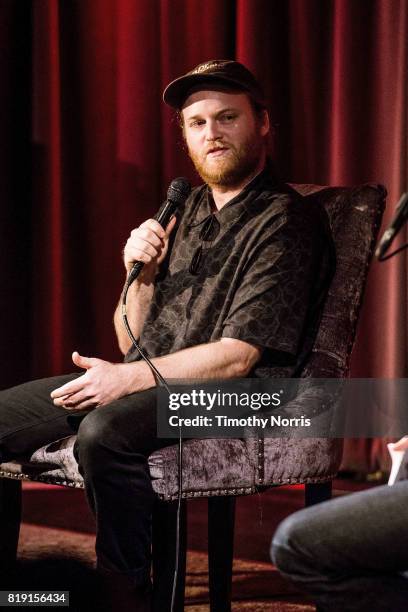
(56, 548)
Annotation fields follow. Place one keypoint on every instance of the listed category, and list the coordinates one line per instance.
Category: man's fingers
(147, 236)
(137, 247)
(154, 226)
(86, 403)
(74, 399)
(170, 225)
(68, 389)
(84, 362)
(140, 250)
(148, 242)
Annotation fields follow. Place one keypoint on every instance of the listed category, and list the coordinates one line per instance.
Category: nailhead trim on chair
(186, 494)
(211, 493)
(261, 461)
(248, 490)
(62, 483)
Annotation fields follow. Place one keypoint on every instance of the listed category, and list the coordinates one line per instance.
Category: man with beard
(231, 288)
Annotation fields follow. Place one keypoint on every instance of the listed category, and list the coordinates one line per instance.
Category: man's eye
(197, 123)
(228, 118)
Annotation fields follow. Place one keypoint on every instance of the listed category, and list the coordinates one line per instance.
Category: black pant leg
(29, 419)
(112, 450)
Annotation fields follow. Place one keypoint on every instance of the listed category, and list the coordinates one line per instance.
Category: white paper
(396, 458)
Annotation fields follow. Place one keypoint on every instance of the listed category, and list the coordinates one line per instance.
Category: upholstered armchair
(223, 469)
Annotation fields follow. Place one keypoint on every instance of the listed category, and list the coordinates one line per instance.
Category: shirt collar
(263, 181)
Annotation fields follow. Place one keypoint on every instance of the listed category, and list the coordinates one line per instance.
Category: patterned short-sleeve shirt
(256, 270)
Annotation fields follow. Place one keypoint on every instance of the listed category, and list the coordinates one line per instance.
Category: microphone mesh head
(178, 190)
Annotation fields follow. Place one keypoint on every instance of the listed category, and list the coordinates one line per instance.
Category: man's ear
(180, 121)
(265, 123)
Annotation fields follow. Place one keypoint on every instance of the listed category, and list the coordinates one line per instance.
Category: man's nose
(212, 131)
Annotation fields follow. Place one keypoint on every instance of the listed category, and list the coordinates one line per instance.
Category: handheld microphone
(400, 217)
(177, 194)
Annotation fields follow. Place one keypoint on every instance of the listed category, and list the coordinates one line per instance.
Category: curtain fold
(89, 148)
(15, 192)
(48, 215)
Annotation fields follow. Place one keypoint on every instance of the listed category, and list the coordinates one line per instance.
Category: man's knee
(289, 544)
(94, 439)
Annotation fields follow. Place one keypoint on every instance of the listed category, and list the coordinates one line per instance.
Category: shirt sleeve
(270, 306)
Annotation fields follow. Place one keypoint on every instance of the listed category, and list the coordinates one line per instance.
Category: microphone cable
(177, 193)
(180, 440)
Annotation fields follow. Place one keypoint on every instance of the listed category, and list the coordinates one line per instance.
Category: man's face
(225, 138)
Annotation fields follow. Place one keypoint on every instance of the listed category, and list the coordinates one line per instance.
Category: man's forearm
(105, 382)
(137, 305)
(147, 244)
(227, 358)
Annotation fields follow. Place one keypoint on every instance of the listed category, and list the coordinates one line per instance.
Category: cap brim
(176, 92)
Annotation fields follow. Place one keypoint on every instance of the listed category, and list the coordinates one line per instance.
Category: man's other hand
(148, 243)
(102, 383)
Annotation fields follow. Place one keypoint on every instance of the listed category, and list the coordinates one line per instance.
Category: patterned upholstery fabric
(237, 467)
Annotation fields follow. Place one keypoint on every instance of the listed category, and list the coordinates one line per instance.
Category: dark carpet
(56, 549)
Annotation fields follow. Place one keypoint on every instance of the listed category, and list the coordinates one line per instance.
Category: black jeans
(112, 447)
(350, 553)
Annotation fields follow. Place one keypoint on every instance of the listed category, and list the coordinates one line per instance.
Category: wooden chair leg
(221, 519)
(10, 517)
(164, 555)
(317, 492)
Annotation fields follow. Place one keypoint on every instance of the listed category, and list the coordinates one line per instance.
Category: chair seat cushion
(223, 463)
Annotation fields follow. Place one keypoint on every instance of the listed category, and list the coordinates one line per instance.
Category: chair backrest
(355, 216)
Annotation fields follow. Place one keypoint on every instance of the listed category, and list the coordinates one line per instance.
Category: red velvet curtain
(88, 148)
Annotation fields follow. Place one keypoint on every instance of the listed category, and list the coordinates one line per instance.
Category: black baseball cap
(213, 72)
